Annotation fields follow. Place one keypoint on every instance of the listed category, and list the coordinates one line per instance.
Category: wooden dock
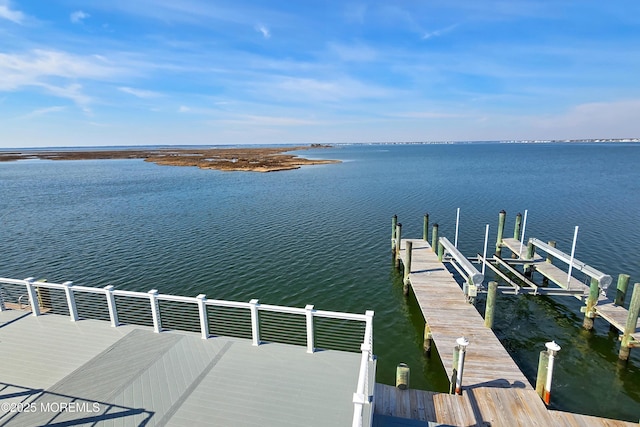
(605, 307)
(495, 391)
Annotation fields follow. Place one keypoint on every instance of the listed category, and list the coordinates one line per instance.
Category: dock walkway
(495, 391)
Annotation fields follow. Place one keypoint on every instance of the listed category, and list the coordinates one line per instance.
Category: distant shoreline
(225, 159)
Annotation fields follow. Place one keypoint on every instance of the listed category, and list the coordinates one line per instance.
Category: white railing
(259, 322)
(363, 397)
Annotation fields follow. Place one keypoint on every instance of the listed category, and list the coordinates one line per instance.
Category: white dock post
(71, 301)
(462, 346)
(552, 349)
(455, 240)
(255, 323)
(204, 322)
(573, 252)
(111, 304)
(309, 315)
(155, 310)
(33, 298)
(486, 242)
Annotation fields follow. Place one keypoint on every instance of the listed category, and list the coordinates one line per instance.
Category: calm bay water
(321, 235)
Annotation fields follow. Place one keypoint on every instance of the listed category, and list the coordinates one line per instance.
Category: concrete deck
(130, 376)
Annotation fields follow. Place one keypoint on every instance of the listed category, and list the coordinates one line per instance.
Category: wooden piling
(440, 251)
(434, 238)
(425, 227)
(501, 218)
(545, 280)
(402, 376)
(630, 326)
(398, 241)
(516, 230)
(394, 223)
(531, 251)
(621, 291)
(491, 302)
(541, 378)
(592, 300)
(428, 338)
(407, 266)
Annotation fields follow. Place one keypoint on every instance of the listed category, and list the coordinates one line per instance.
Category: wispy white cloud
(78, 16)
(305, 89)
(353, 53)
(43, 111)
(255, 120)
(184, 109)
(140, 93)
(263, 30)
(35, 67)
(440, 32)
(73, 92)
(6, 12)
(426, 115)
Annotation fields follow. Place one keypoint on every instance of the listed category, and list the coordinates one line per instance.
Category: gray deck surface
(130, 376)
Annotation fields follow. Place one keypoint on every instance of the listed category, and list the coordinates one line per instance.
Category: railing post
(204, 322)
(111, 304)
(255, 322)
(368, 331)
(33, 298)
(2, 307)
(155, 310)
(71, 301)
(310, 334)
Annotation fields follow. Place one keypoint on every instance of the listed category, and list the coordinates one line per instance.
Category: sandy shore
(227, 159)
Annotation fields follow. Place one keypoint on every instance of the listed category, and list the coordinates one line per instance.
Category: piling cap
(462, 341)
(552, 346)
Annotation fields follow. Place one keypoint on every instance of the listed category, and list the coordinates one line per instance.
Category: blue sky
(137, 72)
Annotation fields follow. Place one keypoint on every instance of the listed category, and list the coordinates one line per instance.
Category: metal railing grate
(52, 300)
(283, 328)
(91, 306)
(11, 293)
(134, 311)
(338, 334)
(178, 315)
(229, 321)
